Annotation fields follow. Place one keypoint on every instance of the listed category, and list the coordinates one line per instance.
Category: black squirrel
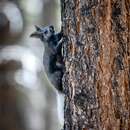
(52, 58)
(53, 62)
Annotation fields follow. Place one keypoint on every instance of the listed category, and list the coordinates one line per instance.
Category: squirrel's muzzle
(37, 33)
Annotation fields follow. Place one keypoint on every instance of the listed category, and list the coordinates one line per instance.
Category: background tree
(97, 60)
(27, 101)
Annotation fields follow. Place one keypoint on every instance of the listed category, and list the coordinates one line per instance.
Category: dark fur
(52, 59)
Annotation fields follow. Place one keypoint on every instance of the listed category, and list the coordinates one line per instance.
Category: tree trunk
(97, 60)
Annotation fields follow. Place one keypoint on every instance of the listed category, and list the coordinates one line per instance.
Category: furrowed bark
(97, 59)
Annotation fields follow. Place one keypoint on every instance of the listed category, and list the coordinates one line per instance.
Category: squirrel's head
(44, 33)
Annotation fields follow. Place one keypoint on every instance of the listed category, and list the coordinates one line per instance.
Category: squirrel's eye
(45, 32)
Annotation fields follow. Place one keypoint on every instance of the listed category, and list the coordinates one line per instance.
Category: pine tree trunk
(97, 59)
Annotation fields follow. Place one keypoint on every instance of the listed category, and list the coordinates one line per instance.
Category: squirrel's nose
(36, 34)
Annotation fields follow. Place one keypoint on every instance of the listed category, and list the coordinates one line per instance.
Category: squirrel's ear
(37, 28)
(52, 28)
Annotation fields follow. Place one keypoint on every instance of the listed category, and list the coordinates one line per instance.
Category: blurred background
(27, 102)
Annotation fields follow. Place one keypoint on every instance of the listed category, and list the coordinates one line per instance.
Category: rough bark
(97, 60)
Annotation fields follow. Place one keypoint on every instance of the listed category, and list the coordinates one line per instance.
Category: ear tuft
(37, 28)
(52, 28)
